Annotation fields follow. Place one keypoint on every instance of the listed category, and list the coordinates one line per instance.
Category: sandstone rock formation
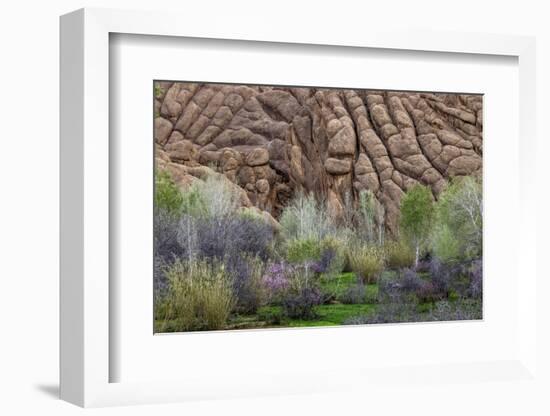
(270, 142)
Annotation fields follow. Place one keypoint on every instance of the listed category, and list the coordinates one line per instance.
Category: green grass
(338, 285)
(334, 315)
(329, 315)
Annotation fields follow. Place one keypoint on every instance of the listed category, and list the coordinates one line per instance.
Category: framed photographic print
(239, 220)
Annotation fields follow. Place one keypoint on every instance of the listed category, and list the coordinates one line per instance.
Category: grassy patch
(329, 315)
(338, 285)
(334, 315)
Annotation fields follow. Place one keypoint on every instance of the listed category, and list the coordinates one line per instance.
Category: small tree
(459, 219)
(417, 212)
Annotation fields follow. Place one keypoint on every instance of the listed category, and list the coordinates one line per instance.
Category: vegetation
(459, 217)
(370, 215)
(305, 219)
(417, 214)
(300, 250)
(168, 197)
(399, 254)
(159, 91)
(219, 266)
(367, 262)
(200, 297)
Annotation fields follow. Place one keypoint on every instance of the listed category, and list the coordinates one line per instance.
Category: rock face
(271, 142)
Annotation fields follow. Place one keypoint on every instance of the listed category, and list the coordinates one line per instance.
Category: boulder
(182, 150)
(338, 166)
(257, 157)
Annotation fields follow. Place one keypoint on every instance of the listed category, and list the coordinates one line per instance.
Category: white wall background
(29, 184)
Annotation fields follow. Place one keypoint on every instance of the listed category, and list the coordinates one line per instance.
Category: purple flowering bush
(276, 279)
(300, 303)
(294, 287)
(303, 292)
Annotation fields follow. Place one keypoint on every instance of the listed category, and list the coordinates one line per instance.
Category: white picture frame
(85, 353)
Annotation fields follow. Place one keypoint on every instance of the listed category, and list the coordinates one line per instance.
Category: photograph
(297, 206)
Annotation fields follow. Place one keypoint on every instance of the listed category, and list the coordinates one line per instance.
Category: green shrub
(158, 91)
(333, 253)
(212, 197)
(199, 297)
(247, 213)
(367, 262)
(300, 250)
(399, 254)
(168, 196)
(193, 202)
(446, 246)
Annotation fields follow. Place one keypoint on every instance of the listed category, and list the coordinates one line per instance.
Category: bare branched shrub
(371, 217)
(187, 237)
(248, 286)
(165, 233)
(365, 217)
(227, 237)
(304, 218)
(462, 310)
(220, 200)
(166, 247)
(476, 281)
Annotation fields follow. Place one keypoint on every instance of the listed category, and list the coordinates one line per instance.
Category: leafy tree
(417, 214)
(459, 217)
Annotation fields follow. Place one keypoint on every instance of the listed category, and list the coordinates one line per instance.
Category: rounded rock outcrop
(270, 142)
